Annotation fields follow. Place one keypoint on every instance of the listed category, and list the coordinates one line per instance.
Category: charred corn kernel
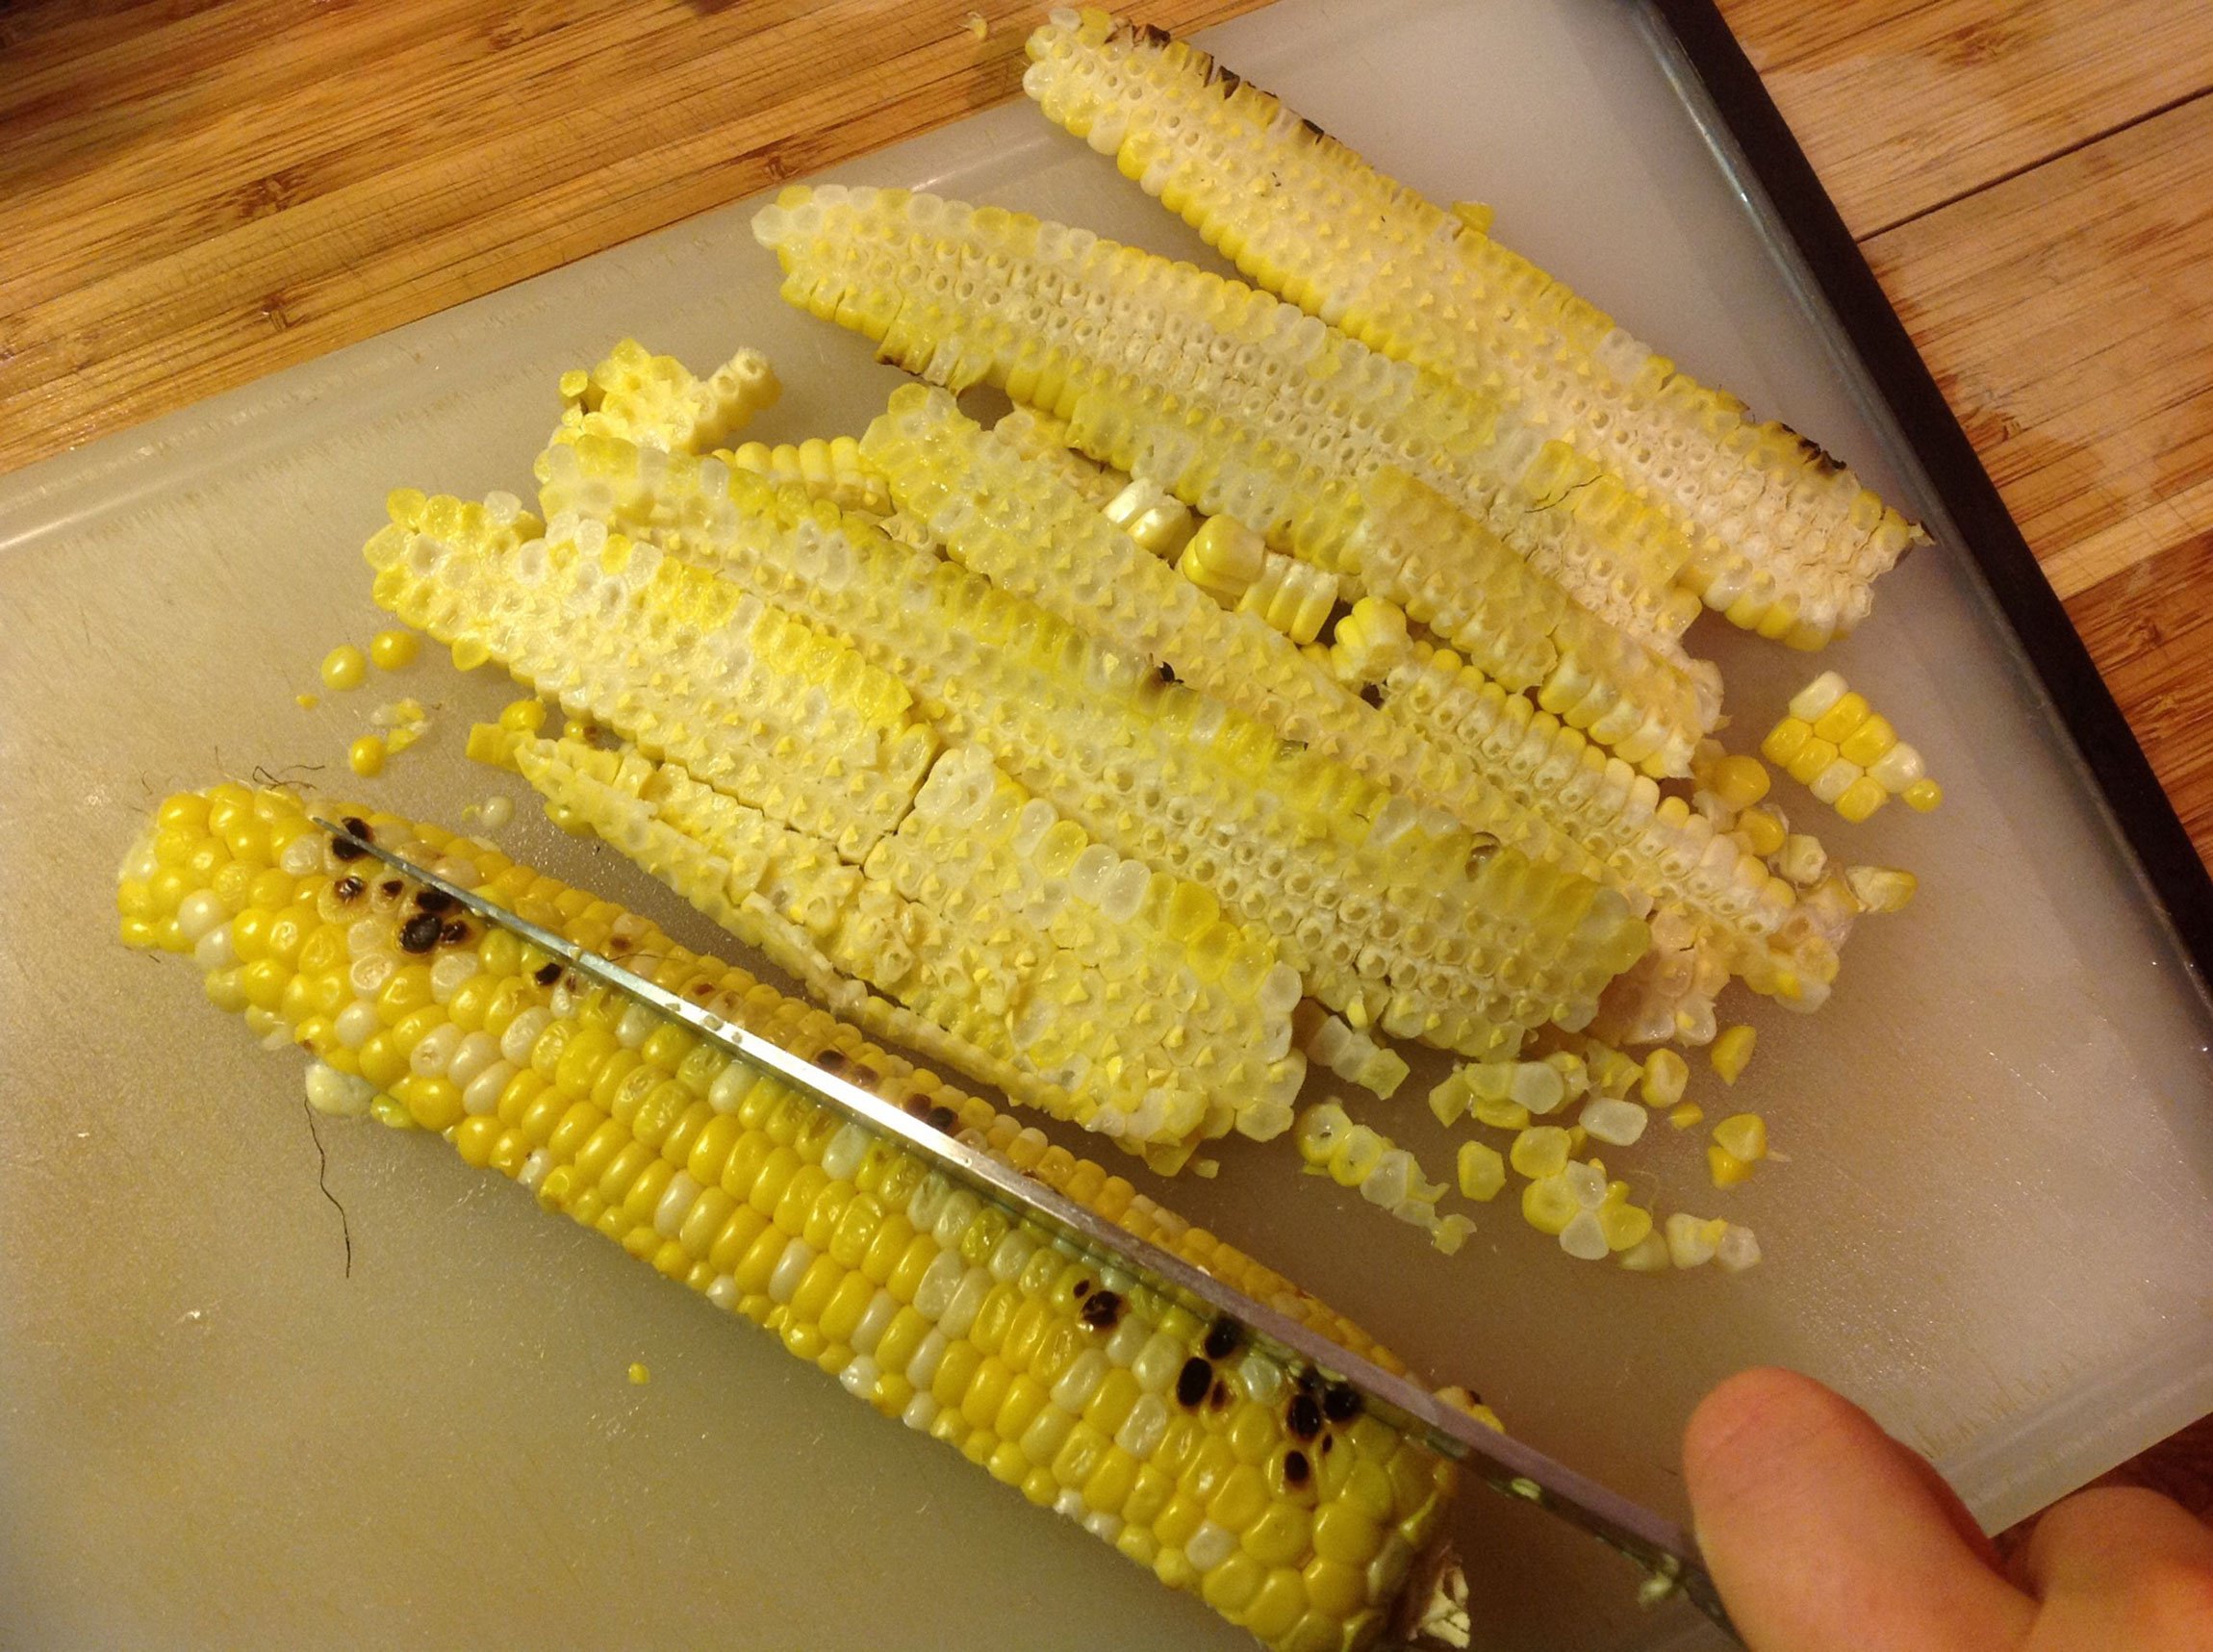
(1861, 799)
(1738, 781)
(1744, 1137)
(1922, 796)
(394, 650)
(1723, 1167)
(1789, 541)
(1731, 1051)
(1482, 1172)
(343, 667)
(366, 755)
(1666, 1074)
(1069, 1362)
(1764, 831)
(1420, 499)
(1683, 1115)
(1880, 888)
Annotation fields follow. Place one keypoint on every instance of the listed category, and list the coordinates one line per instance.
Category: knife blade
(1659, 1548)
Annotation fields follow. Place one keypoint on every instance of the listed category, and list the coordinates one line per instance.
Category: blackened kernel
(943, 1117)
(1193, 1380)
(1218, 1396)
(355, 824)
(454, 933)
(1329, 1444)
(831, 1060)
(346, 850)
(419, 933)
(1102, 1310)
(1221, 1339)
(1341, 1404)
(1304, 1416)
(1168, 672)
(392, 887)
(348, 888)
(918, 1105)
(1083, 1288)
(433, 900)
(1296, 1469)
(547, 973)
(1306, 1381)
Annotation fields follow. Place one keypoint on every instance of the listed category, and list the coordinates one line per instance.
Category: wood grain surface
(195, 192)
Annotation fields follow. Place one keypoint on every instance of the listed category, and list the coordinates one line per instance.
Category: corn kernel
(1738, 781)
(343, 667)
(1861, 799)
(1731, 1051)
(1744, 1135)
(1815, 755)
(1724, 1167)
(1868, 740)
(1482, 1172)
(1785, 740)
(366, 755)
(1922, 796)
(1666, 1074)
(394, 650)
(1684, 1114)
(1813, 700)
(1841, 718)
(1763, 830)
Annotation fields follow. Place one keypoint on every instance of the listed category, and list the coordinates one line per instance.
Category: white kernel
(845, 1151)
(1210, 1546)
(676, 1202)
(357, 1024)
(731, 1087)
(523, 1033)
(344, 1095)
(1618, 1124)
(922, 1370)
(933, 1294)
(858, 1378)
(448, 973)
(723, 1292)
(481, 1094)
(1143, 1429)
(214, 951)
(791, 1267)
(534, 1169)
(199, 915)
(1584, 1237)
(967, 1301)
(472, 1057)
(882, 1308)
(430, 1057)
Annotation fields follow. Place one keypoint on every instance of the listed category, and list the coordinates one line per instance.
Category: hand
(1828, 1535)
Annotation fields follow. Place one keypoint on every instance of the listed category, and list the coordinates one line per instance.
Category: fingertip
(1750, 1422)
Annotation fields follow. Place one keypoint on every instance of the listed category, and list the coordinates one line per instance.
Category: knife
(1660, 1549)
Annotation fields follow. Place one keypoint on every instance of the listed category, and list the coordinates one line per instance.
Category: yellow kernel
(1842, 718)
(639, 1375)
(307, 701)
(1684, 1114)
(1744, 1135)
(1482, 1172)
(1868, 740)
(1738, 781)
(522, 716)
(366, 755)
(1764, 830)
(1724, 1167)
(1548, 1206)
(1785, 740)
(1922, 796)
(1861, 799)
(491, 744)
(1731, 1051)
(1666, 1073)
(343, 667)
(1811, 757)
(394, 648)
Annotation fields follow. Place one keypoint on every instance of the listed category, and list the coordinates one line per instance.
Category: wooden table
(195, 192)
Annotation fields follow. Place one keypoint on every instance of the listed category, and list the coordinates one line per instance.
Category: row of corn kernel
(1848, 755)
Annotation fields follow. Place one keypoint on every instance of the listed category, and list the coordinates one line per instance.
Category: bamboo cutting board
(279, 1385)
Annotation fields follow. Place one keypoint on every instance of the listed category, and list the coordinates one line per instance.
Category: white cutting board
(1995, 1228)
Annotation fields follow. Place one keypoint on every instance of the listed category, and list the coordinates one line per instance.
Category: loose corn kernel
(1763, 829)
(307, 701)
(1725, 1168)
(1744, 1135)
(1693, 1240)
(1666, 1074)
(1684, 1114)
(1482, 1171)
(1922, 796)
(1540, 1151)
(1731, 1051)
(343, 667)
(522, 716)
(491, 744)
(639, 1375)
(1880, 888)
(1738, 781)
(394, 650)
(366, 755)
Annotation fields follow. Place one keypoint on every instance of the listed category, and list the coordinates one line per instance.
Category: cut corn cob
(655, 400)
(755, 704)
(1177, 377)
(833, 471)
(1384, 916)
(1784, 539)
(1197, 1458)
(1014, 949)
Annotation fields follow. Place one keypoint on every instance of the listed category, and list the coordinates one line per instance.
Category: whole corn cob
(1277, 1503)
(1783, 539)
(1244, 408)
(1372, 906)
(1070, 979)
(655, 400)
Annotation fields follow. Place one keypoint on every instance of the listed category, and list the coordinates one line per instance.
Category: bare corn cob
(1070, 979)
(1187, 380)
(1784, 539)
(1375, 908)
(1192, 1455)
(1444, 737)
(750, 700)
(833, 471)
(655, 400)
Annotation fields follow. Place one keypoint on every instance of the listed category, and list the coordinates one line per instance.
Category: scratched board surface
(235, 1416)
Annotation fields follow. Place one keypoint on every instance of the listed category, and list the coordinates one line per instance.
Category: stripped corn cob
(1193, 1456)
(684, 664)
(1375, 909)
(1043, 440)
(833, 471)
(1784, 539)
(1072, 980)
(1370, 470)
(656, 402)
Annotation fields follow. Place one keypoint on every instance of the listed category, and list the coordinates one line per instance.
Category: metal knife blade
(1658, 1547)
